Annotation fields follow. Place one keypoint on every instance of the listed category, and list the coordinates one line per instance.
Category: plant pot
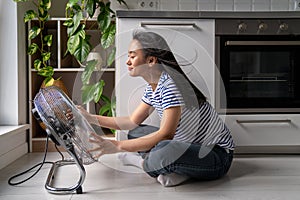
(58, 83)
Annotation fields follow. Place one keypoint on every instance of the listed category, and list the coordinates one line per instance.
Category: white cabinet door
(264, 130)
(191, 40)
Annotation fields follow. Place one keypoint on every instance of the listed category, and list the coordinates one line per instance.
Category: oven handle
(144, 24)
(264, 121)
(265, 43)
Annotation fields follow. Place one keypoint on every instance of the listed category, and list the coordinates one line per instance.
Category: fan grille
(52, 105)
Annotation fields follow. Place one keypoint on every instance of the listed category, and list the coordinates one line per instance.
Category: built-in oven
(259, 65)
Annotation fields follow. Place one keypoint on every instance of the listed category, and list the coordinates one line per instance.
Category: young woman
(191, 141)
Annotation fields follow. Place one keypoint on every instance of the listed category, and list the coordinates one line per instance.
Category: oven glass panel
(255, 74)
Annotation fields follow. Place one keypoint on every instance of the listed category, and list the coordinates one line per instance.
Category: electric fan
(50, 107)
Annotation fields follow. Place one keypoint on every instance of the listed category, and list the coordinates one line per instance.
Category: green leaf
(46, 71)
(33, 32)
(73, 43)
(29, 15)
(88, 70)
(92, 92)
(43, 14)
(46, 4)
(111, 57)
(76, 21)
(37, 64)
(98, 90)
(105, 99)
(83, 50)
(68, 22)
(69, 29)
(90, 7)
(32, 49)
(46, 56)
(48, 81)
(104, 19)
(87, 93)
(81, 33)
(108, 9)
(48, 40)
(105, 109)
(108, 107)
(107, 38)
(77, 8)
(71, 3)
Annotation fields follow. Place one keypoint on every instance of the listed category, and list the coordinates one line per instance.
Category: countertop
(206, 14)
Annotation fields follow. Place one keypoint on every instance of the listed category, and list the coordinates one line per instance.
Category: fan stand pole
(77, 187)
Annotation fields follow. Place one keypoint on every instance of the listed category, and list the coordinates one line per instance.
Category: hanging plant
(78, 45)
(42, 48)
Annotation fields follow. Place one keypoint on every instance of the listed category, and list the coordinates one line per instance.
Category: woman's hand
(92, 119)
(103, 146)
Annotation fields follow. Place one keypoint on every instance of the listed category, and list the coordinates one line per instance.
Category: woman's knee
(134, 133)
(164, 154)
(155, 161)
(141, 131)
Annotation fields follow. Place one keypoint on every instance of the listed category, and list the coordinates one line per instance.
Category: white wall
(8, 63)
(13, 84)
(13, 66)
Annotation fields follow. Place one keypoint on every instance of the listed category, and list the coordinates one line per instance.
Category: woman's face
(136, 61)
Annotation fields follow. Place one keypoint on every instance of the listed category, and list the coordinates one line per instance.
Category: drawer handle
(144, 24)
(264, 121)
(264, 43)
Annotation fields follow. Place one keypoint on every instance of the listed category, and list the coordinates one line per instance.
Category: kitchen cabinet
(191, 41)
(265, 133)
(68, 70)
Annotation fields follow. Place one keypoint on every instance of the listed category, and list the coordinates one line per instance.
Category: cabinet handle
(264, 121)
(264, 43)
(144, 24)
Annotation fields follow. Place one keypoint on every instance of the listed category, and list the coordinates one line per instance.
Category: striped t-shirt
(197, 125)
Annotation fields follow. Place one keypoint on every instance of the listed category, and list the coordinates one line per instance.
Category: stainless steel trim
(257, 110)
(264, 121)
(265, 43)
(206, 14)
(144, 24)
(218, 78)
(254, 80)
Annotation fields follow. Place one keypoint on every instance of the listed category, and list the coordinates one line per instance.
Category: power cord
(40, 165)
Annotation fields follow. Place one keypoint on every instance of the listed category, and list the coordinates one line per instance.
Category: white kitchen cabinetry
(265, 133)
(191, 40)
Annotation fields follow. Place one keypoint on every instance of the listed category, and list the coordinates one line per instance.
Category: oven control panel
(257, 26)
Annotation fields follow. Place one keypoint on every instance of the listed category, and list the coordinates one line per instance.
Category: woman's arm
(120, 123)
(168, 126)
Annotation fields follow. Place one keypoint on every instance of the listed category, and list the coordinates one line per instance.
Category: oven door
(259, 73)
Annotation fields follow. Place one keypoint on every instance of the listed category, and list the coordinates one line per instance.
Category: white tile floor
(250, 177)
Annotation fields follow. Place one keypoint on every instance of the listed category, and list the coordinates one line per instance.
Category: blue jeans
(193, 160)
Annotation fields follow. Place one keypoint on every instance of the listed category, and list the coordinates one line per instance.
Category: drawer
(264, 130)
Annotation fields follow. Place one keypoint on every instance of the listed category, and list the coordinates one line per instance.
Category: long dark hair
(155, 45)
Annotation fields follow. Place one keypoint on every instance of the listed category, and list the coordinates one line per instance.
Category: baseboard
(39, 145)
(13, 143)
(9, 157)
